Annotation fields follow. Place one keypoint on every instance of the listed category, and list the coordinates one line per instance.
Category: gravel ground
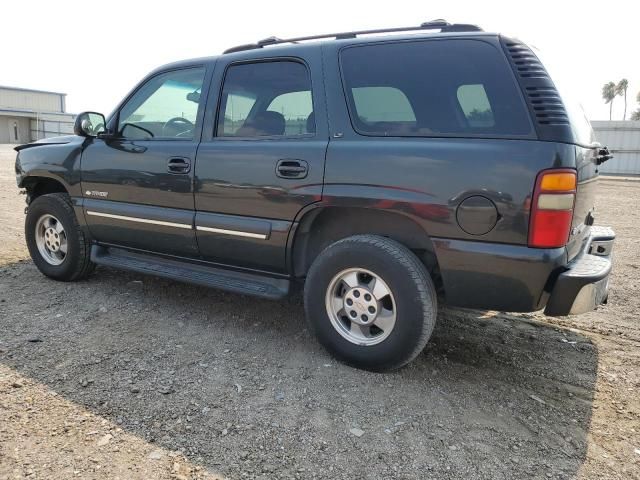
(126, 376)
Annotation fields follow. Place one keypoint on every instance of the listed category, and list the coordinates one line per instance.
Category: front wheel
(56, 242)
(370, 302)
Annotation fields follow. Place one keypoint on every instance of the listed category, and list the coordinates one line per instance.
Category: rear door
(262, 161)
(138, 187)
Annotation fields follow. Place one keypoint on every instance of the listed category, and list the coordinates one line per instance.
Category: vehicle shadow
(239, 385)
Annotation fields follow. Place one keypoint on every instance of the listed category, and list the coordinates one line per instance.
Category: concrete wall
(623, 140)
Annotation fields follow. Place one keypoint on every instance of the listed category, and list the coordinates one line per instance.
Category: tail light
(552, 208)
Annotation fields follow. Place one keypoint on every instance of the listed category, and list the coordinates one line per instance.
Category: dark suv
(386, 171)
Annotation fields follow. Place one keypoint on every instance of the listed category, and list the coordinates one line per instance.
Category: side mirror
(89, 124)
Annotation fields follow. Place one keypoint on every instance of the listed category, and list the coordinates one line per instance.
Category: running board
(231, 281)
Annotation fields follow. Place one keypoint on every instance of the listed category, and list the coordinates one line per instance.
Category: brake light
(552, 208)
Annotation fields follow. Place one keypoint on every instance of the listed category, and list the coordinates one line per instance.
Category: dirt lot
(125, 376)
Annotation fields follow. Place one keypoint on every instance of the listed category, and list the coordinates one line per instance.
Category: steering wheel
(178, 124)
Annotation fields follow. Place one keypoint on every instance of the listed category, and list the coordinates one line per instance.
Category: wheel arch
(321, 226)
(37, 186)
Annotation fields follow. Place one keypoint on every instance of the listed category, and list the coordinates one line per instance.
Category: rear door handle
(178, 165)
(290, 168)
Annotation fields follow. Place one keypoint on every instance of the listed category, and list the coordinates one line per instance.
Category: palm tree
(608, 94)
(636, 115)
(621, 89)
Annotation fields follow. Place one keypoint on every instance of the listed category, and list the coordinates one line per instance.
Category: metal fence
(623, 140)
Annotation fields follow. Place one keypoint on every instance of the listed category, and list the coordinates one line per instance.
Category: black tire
(411, 287)
(77, 263)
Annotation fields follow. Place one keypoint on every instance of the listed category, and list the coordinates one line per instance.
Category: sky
(96, 52)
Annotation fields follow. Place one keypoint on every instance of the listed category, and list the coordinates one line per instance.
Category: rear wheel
(55, 240)
(370, 302)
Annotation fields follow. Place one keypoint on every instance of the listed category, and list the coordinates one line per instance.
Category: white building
(623, 140)
(28, 115)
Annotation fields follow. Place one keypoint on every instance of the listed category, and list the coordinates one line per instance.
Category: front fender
(57, 158)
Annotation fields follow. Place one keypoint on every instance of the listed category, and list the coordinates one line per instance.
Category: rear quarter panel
(428, 178)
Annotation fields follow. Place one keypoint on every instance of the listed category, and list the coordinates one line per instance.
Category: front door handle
(289, 168)
(178, 165)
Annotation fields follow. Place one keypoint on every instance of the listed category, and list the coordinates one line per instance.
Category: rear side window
(266, 99)
(433, 88)
(237, 110)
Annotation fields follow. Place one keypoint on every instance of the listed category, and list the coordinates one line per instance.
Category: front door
(137, 187)
(263, 163)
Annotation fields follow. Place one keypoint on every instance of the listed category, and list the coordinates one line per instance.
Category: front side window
(432, 88)
(166, 107)
(266, 99)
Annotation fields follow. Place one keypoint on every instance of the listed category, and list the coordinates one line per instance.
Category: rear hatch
(583, 212)
(559, 117)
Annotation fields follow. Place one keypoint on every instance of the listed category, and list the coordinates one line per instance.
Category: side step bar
(231, 281)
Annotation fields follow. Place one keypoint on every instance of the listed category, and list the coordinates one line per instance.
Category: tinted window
(475, 105)
(432, 88)
(238, 107)
(296, 108)
(383, 104)
(266, 99)
(164, 107)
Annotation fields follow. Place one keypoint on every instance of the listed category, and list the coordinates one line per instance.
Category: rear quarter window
(433, 88)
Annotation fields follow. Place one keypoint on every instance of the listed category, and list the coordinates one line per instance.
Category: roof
(20, 112)
(17, 89)
(287, 46)
(442, 27)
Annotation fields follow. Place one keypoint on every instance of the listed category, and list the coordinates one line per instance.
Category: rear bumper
(584, 285)
(514, 278)
(493, 276)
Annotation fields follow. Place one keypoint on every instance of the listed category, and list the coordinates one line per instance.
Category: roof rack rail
(439, 24)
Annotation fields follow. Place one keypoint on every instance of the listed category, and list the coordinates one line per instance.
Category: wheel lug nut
(364, 318)
(349, 302)
(353, 313)
(367, 297)
(372, 310)
(356, 293)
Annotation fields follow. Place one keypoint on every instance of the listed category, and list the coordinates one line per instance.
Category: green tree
(636, 115)
(608, 94)
(621, 89)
